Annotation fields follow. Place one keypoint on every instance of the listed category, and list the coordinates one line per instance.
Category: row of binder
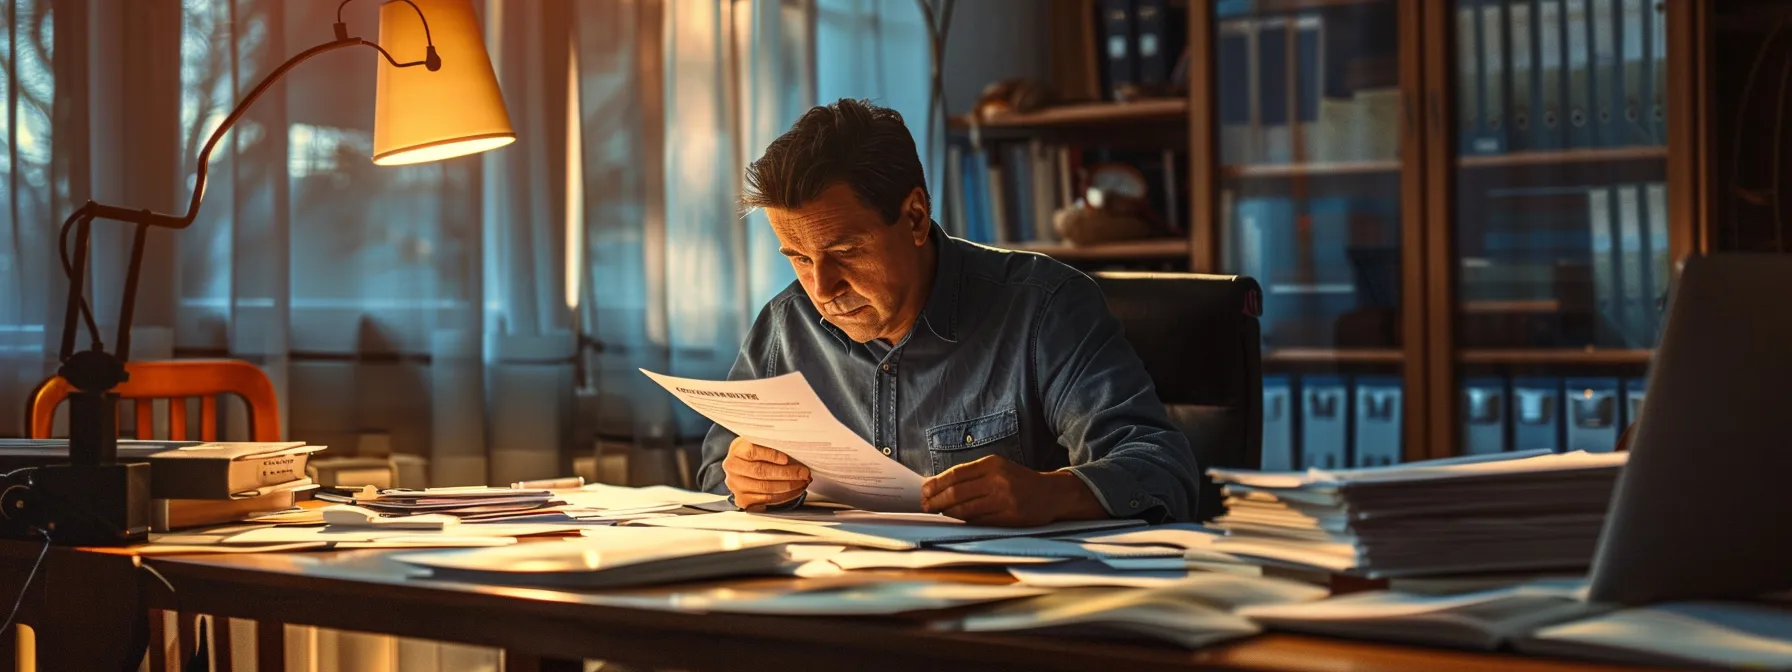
(1330, 421)
(1554, 74)
(1559, 414)
(1339, 421)
(1258, 120)
(1141, 41)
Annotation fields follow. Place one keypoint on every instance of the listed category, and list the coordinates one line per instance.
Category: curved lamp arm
(100, 374)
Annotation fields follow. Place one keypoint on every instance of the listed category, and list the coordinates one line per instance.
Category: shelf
(1274, 170)
(1085, 114)
(1332, 356)
(1160, 122)
(1514, 306)
(1285, 6)
(1613, 357)
(1572, 156)
(1133, 250)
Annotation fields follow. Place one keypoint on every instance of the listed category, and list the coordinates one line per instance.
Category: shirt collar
(941, 311)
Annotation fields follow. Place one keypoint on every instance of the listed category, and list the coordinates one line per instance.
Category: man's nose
(829, 282)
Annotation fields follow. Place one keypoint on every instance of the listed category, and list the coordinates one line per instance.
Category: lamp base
(80, 505)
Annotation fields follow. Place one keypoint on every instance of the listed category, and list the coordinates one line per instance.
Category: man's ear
(917, 216)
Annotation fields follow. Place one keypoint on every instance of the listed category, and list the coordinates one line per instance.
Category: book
(1523, 73)
(1636, 126)
(1482, 620)
(1576, 42)
(173, 514)
(1607, 72)
(1549, 128)
(185, 469)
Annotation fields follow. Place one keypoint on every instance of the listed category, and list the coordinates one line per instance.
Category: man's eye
(846, 252)
(801, 260)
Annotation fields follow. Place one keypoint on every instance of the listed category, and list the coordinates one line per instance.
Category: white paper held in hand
(783, 413)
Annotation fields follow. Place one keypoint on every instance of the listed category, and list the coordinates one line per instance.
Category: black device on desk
(1700, 508)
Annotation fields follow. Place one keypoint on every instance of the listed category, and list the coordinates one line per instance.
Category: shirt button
(1133, 503)
(886, 450)
(968, 440)
(886, 367)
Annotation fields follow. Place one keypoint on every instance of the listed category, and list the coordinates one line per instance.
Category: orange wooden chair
(177, 381)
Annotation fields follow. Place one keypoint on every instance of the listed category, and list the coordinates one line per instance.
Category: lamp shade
(422, 116)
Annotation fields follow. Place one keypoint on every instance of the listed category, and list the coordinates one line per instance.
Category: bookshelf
(1402, 206)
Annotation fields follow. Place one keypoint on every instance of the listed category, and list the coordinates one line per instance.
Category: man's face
(864, 276)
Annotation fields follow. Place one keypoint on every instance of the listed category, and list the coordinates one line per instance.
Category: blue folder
(1278, 424)
(1537, 414)
(1378, 421)
(1634, 388)
(1325, 422)
(1484, 413)
(1593, 414)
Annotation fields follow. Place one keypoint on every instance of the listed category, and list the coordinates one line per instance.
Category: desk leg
(523, 662)
(92, 612)
(270, 645)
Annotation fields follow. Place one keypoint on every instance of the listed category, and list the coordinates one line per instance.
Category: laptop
(1701, 509)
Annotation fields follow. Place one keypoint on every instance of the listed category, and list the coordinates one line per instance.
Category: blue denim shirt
(1015, 354)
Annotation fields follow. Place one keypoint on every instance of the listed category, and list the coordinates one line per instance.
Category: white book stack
(1517, 512)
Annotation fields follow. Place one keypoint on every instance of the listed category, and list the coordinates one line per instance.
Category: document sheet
(784, 414)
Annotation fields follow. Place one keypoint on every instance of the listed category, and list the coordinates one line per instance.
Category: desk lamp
(450, 107)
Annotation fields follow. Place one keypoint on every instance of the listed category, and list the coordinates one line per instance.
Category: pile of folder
(1521, 512)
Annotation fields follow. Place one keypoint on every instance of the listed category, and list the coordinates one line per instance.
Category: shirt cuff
(1119, 492)
(786, 506)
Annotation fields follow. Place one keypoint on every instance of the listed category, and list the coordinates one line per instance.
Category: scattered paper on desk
(880, 598)
(925, 559)
(601, 496)
(1089, 573)
(1453, 468)
(741, 521)
(349, 515)
(283, 534)
(861, 516)
(203, 548)
(1180, 535)
(1058, 548)
(784, 413)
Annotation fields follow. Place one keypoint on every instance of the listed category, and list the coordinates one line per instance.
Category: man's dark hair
(865, 146)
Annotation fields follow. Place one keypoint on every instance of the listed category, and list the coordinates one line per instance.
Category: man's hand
(995, 491)
(760, 476)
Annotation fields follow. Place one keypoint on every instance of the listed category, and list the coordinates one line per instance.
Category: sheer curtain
(487, 314)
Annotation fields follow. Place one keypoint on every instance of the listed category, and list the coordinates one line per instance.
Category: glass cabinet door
(1560, 220)
(1308, 101)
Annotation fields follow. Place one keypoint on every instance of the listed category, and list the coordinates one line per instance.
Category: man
(999, 376)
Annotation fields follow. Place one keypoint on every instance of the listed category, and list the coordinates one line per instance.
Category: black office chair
(1199, 339)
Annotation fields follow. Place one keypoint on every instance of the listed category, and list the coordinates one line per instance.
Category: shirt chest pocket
(956, 443)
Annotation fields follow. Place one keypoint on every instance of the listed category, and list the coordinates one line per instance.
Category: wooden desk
(366, 591)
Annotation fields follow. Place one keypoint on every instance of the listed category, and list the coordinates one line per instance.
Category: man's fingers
(980, 510)
(754, 452)
(739, 484)
(746, 499)
(963, 473)
(766, 471)
(956, 495)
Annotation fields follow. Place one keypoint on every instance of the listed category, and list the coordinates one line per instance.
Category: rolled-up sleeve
(1101, 403)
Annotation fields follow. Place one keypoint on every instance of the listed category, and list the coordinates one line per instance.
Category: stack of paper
(1459, 516)
(464, 501)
